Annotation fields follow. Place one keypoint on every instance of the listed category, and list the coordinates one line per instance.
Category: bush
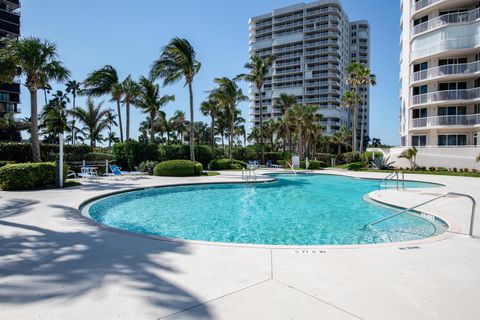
(198, 169)
(130, 154)
(432, 168)
(4, 163)
(147, 166)
(326, 158)
(367, 156)
(226, 164)
(203, 153)
(348, 157)
(22, 152)
(312, 164)
(24, 176)
(175, 168)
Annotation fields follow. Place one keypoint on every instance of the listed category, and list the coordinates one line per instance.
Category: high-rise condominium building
(440, 73)
(313, 44)
(9, 28)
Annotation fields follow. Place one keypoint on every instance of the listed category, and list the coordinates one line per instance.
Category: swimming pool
(306, 209)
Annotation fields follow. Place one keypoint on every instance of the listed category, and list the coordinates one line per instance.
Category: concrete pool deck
(57, 264)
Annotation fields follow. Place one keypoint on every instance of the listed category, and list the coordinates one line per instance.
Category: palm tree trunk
(362, 126)
(213, 132)
(127, 119)
(152, 129)
(34, 126)
(45, 96)
(73, 124)
(354, 128)
(192, 138)
(120, 126)
(262, 150)
(232, 124)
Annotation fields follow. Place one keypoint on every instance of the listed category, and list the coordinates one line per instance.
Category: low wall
(459, 158)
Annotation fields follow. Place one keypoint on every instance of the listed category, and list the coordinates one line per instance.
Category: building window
(354, 40)
(4, 96)
(420, 90)
(443, 62)
(419, 141)
(452, 86)
(420, 66)
(452, 111)
(419, 113)
(477, 109)
(452, 140)
(354, 34)
(420, 20)
(475, 139)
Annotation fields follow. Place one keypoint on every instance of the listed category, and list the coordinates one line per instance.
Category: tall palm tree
(177, 61)
(285, 103)
(349, 100)
(229, 95)
(11, 126)
(306, 122)
(74, 133)
(258, 69)
(269, 128)
(178, 124)
(342, 138)
(73, 87)
(130, 90)
(37, 60)
(150, 101)
(111, 119)
(106, 81)
(365, 78)
(211, 107)
(94, 117)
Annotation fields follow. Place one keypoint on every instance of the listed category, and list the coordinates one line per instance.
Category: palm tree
(95, 120)
(254, 135)
(74, 133)
(11, 126)
(342, 138)
(376, 142)
(37, 60)
(211, 107)
(73, 87)
(306, 121)
(349, 100)
(150, 102)
(362, 77)
(130, 90)
(285, 102)
(269, 128)
(111, 120)
(178, 124)
(106, 81)
(229, 95)
(177, 61)
(258, 69)
(54, 115)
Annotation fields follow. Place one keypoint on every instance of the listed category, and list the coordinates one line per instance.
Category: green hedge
(226, 164)
(177, 168)
(325, 158)
(24, 176)
(198, 169)
(203, 153)
(128, 155)
(313, 164)
(20, 152)
(348, 157)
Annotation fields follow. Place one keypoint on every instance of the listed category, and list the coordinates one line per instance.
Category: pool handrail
(390, 177)
(291, 166)
(472, 216)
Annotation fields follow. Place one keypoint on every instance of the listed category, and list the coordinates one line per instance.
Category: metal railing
(472, 217)
(439, 121)
(449, 69)
(423, 3)
(451, 18)
(397, 176)
(248, 175)
(446, 95)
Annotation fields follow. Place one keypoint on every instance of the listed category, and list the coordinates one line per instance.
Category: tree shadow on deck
(50, 264)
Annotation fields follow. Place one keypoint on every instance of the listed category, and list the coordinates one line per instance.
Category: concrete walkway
(57, 264)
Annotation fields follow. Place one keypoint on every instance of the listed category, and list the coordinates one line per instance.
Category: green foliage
(382, 163)
(4, 163)
(348, 157)
(147, 166)
(175, 168)
(20, 152)
(367, 156)
(131, 153)
(198, 169)
(203, 154)
(316, 165)
(226, 164)
(325, 158)
(25, 176)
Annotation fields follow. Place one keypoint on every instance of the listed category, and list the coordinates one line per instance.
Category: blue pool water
(294, 210)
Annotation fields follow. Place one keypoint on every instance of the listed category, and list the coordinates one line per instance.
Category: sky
(129, 35)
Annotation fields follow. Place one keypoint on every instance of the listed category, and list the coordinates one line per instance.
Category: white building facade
(440, 73)
(312, 44)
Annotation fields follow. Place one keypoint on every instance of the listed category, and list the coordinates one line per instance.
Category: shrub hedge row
(21, 152)
(178, 168)
(25, 176)
(348, 157)
(226, 164)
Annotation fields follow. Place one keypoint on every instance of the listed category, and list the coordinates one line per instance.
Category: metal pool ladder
(472, 216)
(249, 175)
(397, 176)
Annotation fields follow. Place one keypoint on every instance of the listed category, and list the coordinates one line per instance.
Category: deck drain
(310, 251)
(410, 248)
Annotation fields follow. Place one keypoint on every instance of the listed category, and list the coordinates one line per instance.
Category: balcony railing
(447, 44)
(423, 3)
(459, 17)
(446, 95)
(449, 69)
(441, 121)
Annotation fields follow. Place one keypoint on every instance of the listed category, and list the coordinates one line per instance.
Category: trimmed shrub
(226, 164)
(25, 176)
(326, 158)
(175, 168)
(147, 166)
(20, 152)
(4, 163)
(316, 165)
(203, 153)
(130, 154)
(348, 157)
(198, 169)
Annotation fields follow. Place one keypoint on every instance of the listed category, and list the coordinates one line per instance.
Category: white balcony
(423, 4)
(447, 96)
(446, 121)
(445, 70)
(448, 19)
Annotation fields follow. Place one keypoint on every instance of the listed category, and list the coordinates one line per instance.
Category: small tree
(411, 156)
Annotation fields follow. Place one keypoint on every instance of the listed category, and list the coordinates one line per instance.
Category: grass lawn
(358, 166)
(212, 173)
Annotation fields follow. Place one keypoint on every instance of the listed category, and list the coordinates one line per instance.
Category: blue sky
(129, 34)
